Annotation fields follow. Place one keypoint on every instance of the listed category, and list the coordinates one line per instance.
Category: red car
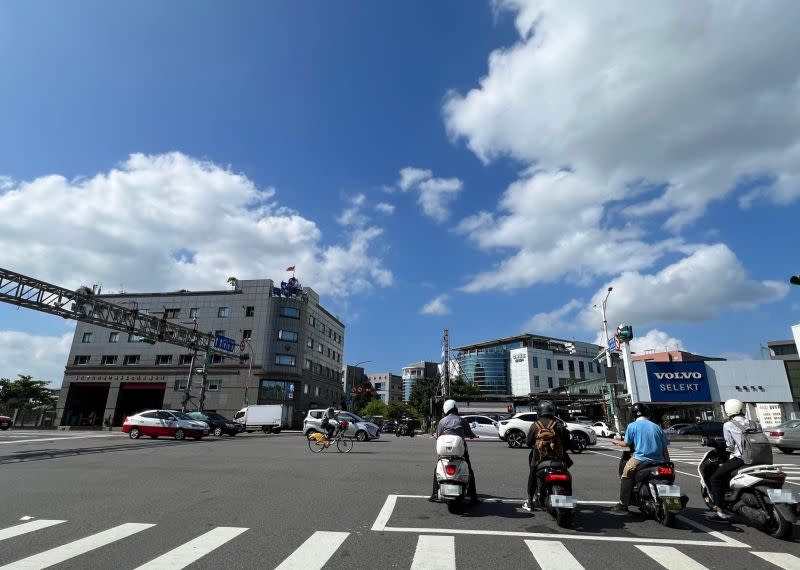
(5, 422)
(166, 423)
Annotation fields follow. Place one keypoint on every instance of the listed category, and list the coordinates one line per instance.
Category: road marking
(434, 553)
(780, 559)
(27, 527)
(315, 551)
(57, 438)
(716, 534)
(551, 555)
(671, 558)
(82, 546)
(194, 550)
(385, 514)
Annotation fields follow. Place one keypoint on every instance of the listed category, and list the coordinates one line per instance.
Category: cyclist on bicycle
(329, 422)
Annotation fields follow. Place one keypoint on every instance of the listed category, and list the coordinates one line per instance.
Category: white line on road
(551, 555)
(194, 550)
(386, 513)
(57, 438)
(27, 527)
(780, 559)
(315, 551)
(671, 558)
(82, 546)
(435, 553)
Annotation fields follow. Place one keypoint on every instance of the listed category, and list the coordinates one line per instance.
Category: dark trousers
(533, 479)
(471, 490)
(719, 480)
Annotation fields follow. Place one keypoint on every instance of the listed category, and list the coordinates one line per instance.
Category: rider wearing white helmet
(732, 430)
(454, 424)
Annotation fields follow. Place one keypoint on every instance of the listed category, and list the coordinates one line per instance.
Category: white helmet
(449, 405)
(733, 407)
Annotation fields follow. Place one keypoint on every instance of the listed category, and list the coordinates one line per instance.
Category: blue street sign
(224, 343)
(612, 345)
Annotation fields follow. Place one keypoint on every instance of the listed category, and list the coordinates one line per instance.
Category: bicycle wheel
(344, 445)
(314, 445)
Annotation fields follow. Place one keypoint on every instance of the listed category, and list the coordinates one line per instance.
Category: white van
(269, 418)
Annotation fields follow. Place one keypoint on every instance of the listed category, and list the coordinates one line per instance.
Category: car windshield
(352, 415)
(216, 416)
(790, 424)
(182, 416)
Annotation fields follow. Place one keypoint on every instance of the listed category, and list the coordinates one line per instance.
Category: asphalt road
(98, 499)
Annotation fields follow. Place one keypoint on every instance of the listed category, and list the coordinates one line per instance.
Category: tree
(374, 408)
(423, 393)
(397, 411)
(26, 393)
(460, 388)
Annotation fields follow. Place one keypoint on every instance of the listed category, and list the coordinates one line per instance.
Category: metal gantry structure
(84, 305)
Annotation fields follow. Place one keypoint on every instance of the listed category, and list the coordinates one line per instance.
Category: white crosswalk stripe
(195, 549)
(552, 555)
(434, 553)
(780, 559)
(314, 552)
(76, 548)
(27, 527)
(671, 558)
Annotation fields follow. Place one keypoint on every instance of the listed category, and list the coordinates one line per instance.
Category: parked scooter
(654, 491)
(452, 471)
(756, 492)
(404, 428)
(555, 491)
(576, 443)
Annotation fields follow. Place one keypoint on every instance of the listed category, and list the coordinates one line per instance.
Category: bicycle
(318, 441)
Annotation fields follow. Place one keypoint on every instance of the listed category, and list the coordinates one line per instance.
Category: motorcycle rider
(732, 430)
(329, 422)
(547, 420)
(453, 424)
(649, 444)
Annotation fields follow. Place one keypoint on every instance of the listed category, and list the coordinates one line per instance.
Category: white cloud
(435, 194)
(42, 357)
(437, 306)
(689, 96)
(352, 216)
(168, 222)
(544, 323)
(385, 208)
(656, 340)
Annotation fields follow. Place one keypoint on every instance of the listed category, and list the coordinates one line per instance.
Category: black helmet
(640, 409)
(546, 408)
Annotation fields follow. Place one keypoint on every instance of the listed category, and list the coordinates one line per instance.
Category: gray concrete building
(388, 386)
(415, 372)
(295, 347)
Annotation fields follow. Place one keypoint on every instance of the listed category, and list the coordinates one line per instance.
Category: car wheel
(583, 438)
(786, 450)
(515, 439)
(361, 435)
(134, 433)
(179, 434)
(218, 431)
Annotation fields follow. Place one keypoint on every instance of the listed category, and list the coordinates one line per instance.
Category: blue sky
(548, 155)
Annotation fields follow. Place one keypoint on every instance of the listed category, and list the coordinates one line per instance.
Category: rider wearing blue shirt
(649, 444)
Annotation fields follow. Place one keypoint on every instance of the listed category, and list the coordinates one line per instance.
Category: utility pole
(446, 363)
(612, 391)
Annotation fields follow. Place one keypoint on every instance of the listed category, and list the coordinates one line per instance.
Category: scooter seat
(551, 464)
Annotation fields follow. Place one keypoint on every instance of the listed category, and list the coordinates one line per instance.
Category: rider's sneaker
(527, 506)
(433, 498)
(722, 517)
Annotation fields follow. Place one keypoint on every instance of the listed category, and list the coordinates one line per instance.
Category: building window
(305, 389)
(171, 313)
(560, 364)
(312, 321)
(249, 311)
(549, 364)
(316, 391)
(310, 343)
(185, 359)
(113, 337)
(87, 338)
(81, 359)
(535, 361)
(536, 381)
(289, 336)
(247, 334)
(194, 313)
(219, 332)
(284, 360)
(108, 359)
(591, 368)
(329, 353)
(322, 327)
(320, 348)
(134, 338)
(130, 360)
(216, 359)
(549, 382)
(307, 364)
(181, 384)
(214, 385)
(223, 312)
(164, 359)
(290, 312)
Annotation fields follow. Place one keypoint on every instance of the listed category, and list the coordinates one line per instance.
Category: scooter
(576, 444)
(404, 429)
(452, 471)
(555, 491)
(756, 492)
(654, 491)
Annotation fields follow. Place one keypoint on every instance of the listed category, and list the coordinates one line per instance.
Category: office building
(388, 386)
(415, 372)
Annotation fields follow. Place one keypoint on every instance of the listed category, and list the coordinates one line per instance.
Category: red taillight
(450, 469)
(665, 471)
(776, 433)
(554, 477)
(776, 475)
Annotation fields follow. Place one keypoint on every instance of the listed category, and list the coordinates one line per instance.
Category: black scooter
(554, 492)
(576, 444)
(404, 429)
(654, 491)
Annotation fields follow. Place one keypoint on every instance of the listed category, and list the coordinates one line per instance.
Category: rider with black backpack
(549, 441)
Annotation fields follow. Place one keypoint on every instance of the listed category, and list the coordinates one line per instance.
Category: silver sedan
(786, 437)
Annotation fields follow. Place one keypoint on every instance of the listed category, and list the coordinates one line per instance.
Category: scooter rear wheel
(778, 527)
(663, 515)
(564, 517)
(452, 506)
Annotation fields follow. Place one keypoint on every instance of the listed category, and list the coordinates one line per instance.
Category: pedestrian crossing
(321, 548)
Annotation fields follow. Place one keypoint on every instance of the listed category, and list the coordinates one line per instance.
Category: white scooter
(756, 492)
(452, 471)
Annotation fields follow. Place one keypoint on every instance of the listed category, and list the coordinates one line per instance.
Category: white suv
(514, 431)
(357, 427)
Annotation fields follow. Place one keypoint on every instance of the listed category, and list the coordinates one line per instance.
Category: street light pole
(249, 370)
(612, 392)
(605, 327)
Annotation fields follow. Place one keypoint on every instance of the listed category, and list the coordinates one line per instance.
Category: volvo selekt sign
(678, 382)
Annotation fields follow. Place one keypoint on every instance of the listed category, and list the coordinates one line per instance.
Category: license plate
(450, 490)
(781, 496)
(672, 503)
(668, 490)
(562, 502)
